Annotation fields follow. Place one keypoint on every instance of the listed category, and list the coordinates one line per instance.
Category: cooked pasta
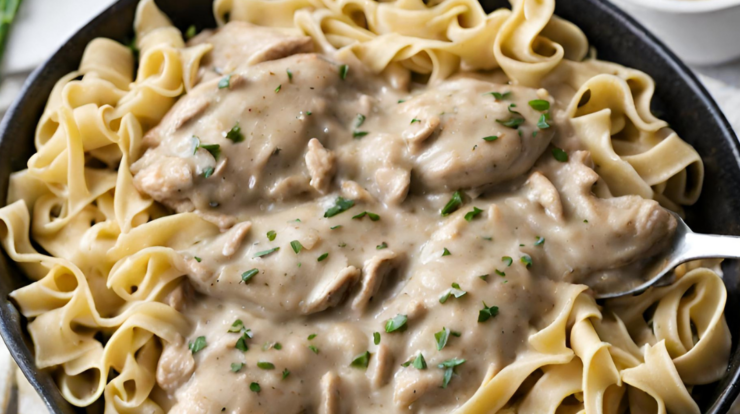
(360, 206)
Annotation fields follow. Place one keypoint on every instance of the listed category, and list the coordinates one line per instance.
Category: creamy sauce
(308, 136)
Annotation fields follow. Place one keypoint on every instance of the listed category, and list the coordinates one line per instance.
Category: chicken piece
(380, 366)
(240, 44)
(180, 296)
(332, 291)
(393, 184)
(329, 394)
(373, 273)
(175, 365)
(321, 165)
(235, 238)
(543, 192)
(164, 181)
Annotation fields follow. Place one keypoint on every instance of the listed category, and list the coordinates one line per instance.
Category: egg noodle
(96, 308)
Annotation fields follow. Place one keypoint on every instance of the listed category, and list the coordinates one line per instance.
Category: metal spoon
(686, 246)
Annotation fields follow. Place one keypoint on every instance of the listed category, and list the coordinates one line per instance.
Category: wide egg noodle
(113, 257)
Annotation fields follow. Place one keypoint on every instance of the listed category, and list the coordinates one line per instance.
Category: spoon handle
(705, 246)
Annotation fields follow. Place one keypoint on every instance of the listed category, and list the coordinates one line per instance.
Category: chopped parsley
(322, 257)
(376, 338)
(197, 345)
(499, 96)
(214, 149)
(539, 105)
(237, 326)
(508, 260)
(445, 252)
(527, 260)
(542, 122)
(401, 101)
(415, 120)
(255, 387)
(278, 88)
(372, 216)
(441, 337)
(559, 154)
(359, 120)
(339, 226)
(361, 361)
(241, 344)
(235, 134)
(487, 312)
(513, 122)
(449, 367)
(236, 367)
(484, 277)
(420, 362)
(473, 214)
(266, 252)
(249, 274)
(313, 349)
(340, 206)
(312, 336)
(286, 373)
(290, 74)
(297, 246)
(540, 241)
(453, 291)
(491, 138)
(452, 205)
(343, 70)
(500, 273)
(359, 134)
(197, 259)
(208, 172)
(396, 323)
(190, 33)
(225, 82)
(271, 235)
(381, 246)
(265, 365)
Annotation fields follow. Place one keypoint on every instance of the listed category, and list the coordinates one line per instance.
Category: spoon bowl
(685, 247)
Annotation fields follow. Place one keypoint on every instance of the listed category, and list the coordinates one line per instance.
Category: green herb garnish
(449, 367)
(265, 365)
(539, 105)
(540, 241)
(322, 257)
(225, 82)
(286, 373)
(441, 337)
(499, 96)
(235, 134)
(249, 274)
(445, 252)
(290, 74)
(542, 122)
(340, 206)
(359, 120)
(508, 260)
(469, 216)
(361, 361)
(559, 154)
(513, 122)
(376, 338)
(343, 70)
(197, 345)
(236, 367)
(526, 260)
(452, 205)
(297, 246)
(313, 349)
(396, 323)
(255, 387)
(500, 273)
(381, 246)
(278, 88)
(197, 259)
(271, 235)
(266, 252)
(491, 138)
(453, 291)
(415, 120)
(487, 312)
(372, 216)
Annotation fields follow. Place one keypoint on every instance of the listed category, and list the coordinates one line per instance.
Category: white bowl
(701, 32)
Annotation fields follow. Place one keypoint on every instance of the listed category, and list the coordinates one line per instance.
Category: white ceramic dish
(701, 32)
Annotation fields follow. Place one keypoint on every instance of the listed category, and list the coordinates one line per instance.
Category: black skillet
(680, 99)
